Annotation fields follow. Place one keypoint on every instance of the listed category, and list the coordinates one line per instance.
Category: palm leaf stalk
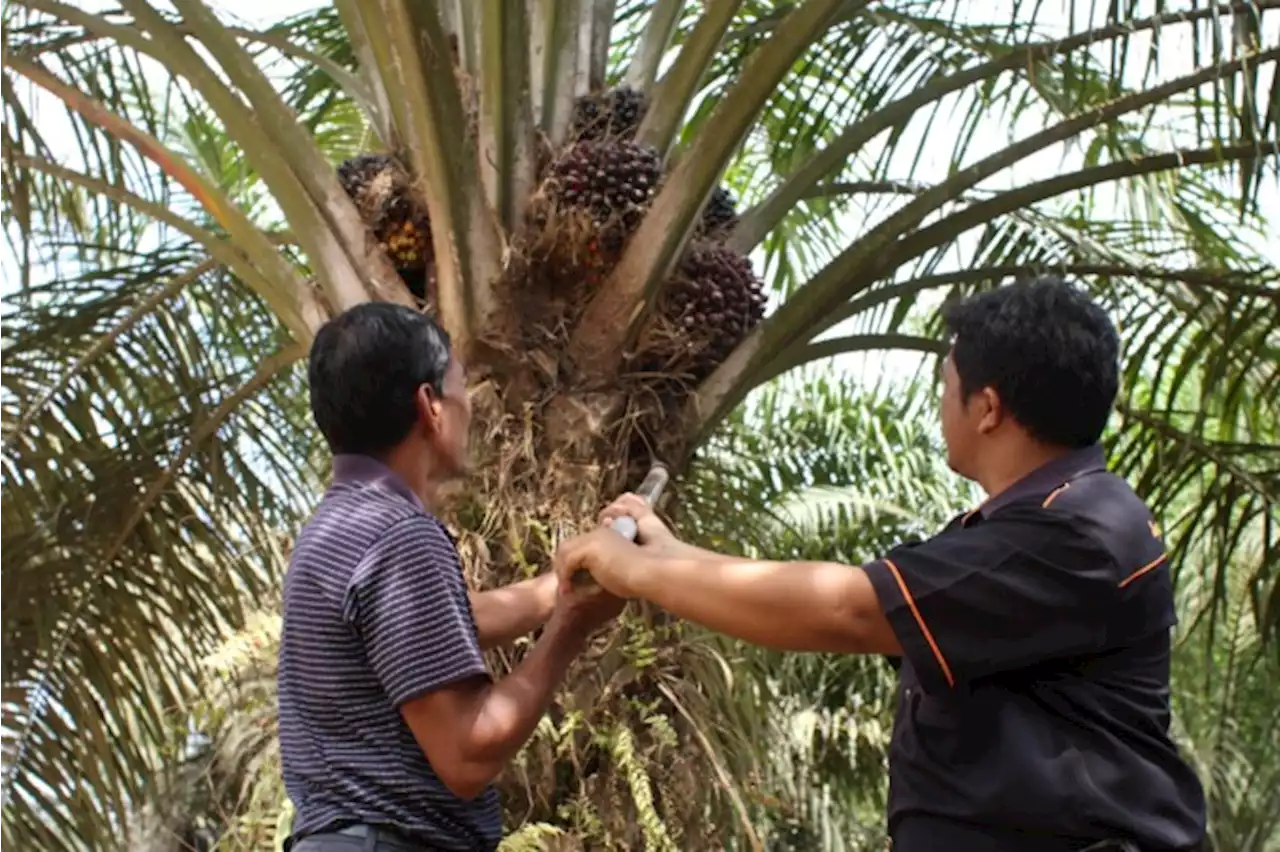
(579, 241)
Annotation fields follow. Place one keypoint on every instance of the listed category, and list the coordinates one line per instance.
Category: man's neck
(412, 466)
(1011, 467)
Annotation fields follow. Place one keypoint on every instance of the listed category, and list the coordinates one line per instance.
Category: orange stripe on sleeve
(924, 628)
(1150, 566)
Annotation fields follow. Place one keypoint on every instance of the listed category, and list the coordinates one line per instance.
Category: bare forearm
(504, 615)
(510, 709)
(685, 550)
(797, 606)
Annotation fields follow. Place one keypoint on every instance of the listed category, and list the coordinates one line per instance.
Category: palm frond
(139, 495)
(1225, 702)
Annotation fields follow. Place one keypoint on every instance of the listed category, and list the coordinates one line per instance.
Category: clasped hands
(612, 561)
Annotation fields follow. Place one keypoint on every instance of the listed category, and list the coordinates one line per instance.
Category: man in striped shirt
(391, 730)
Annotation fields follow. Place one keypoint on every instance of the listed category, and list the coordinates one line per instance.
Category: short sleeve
(1008, 593)
(408, 602)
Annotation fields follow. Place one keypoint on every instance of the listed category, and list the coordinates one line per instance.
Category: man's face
(450, 421)
(957, 431)
(967, 422)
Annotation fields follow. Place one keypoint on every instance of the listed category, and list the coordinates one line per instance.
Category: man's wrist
(544, 590)
(660, 577)
(685, 551)
(566, 634)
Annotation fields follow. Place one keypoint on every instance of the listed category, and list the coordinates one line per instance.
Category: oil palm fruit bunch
(613, 180)
(615, 114)
(383, 193)
(717, 299)
(720, 216)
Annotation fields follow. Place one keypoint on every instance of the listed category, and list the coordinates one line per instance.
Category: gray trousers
(358, 838)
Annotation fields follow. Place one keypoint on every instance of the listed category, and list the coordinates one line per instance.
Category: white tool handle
(625, 527)
(655, 482)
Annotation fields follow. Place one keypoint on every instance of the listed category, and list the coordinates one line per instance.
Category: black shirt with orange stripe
(1033, 709)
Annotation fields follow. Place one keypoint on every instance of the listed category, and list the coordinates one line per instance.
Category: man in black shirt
(1034, 631)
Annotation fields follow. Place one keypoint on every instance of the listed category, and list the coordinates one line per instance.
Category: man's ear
(991, 414)
(428, 405)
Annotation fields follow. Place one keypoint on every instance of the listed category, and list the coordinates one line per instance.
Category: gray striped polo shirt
(375, 613)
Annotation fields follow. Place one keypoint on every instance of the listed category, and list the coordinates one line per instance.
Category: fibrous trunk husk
(615, 764)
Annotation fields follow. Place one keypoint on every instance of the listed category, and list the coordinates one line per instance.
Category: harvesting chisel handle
(650, 490)
(625, 527)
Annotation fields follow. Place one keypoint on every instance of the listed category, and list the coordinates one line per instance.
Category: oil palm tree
(546, 176)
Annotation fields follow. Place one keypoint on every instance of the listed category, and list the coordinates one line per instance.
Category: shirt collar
(367, 471)
(1047, 477)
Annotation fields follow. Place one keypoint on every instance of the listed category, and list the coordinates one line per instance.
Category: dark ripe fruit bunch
(716, 298)
(720, 216)
(615, 114)
(381, 190)
(613, 181)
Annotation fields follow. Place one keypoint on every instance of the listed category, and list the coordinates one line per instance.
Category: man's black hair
(1049, 351)
(365, 369)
